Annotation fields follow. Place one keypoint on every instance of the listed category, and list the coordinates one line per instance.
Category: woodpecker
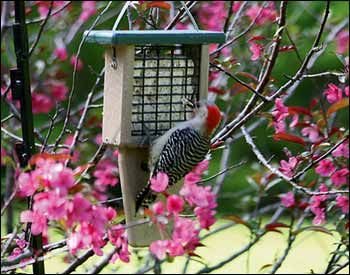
(181, 148)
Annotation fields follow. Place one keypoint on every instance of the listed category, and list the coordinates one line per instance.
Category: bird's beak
(188, 103)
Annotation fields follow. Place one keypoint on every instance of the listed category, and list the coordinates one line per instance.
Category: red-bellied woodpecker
(181, 148)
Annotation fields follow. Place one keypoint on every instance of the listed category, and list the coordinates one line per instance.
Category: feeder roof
(159, 37)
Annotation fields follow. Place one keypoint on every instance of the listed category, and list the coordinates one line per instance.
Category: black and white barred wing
(184, 149)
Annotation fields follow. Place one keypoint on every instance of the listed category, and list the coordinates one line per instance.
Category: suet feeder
(147, 76)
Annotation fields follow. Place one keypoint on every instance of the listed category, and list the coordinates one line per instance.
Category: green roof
(159, 37)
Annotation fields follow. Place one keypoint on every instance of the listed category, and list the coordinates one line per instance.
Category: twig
(223, 171)
(83, 116)
(177, 17)
(275, 217)
(246, 113)
(71, 93)
(323, 156)
(240, 82)
(234, 39)
(262, 159)
(339, 268)
(244, 117)
(105, 261)
(79, 261)
(42, 26)
(58, 111)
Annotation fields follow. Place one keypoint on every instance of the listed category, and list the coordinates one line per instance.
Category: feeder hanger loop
(115, 26)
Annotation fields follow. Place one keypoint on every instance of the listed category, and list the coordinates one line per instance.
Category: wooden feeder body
(147, 74)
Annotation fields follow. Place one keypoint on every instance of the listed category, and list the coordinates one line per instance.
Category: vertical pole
(23, 94)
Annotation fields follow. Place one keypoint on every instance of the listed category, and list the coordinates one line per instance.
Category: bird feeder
(147, 76)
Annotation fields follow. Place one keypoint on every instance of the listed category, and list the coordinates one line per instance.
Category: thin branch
(275, 217)
(323, 156)
(240, 81)
(105, 261)
(58, 111)
(339, 268)
(83, 116)
(42, 26)
(244, 117)
(223, 171)
(71, 93)
(181, 12)
(234, 39)
(292, 182)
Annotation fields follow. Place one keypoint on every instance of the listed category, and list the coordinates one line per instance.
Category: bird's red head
(213, 118)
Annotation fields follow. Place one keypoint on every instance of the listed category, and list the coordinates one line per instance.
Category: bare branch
(291, 181)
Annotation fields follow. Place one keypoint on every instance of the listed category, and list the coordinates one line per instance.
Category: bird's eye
(197, 104)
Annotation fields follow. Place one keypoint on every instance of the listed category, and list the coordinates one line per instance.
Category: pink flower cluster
(212, 15)
(334, 94)
(185, 235)
(267, 14)
(89, 8)
(86, 224)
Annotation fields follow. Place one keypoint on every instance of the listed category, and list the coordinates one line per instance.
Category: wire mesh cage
(163, 76)
(147, 76)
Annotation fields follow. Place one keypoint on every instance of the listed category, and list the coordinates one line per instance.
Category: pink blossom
(15, 253)
(74, 60)
(159, 183)
(181, 26)
(106, 173)
(41, 103)
(342, 150)
(27, 186)
(346, 91)
(311, 131)
(184, 230)
(205, 216)
(158, 208)
(294, 121)
(339, 177)
(123, 254)
(21, 243)
(198, 195)
(98, 139)
(50, 204)
(38, 220)
(268, 14)
(201, 167)
(192, 178)
(281, 111)
(317, 206)
(175, 248)
(333, 93)
(280, 126)
(89, 8)
(212, 15)
(342, 40)
(287, 168)
(343, 203)
(63, 179)
(79, 209)
(43, 10)
(325, 168)
(174, 204)
(158, 249)
(320, 216)
(75, 242)
(59, 90)
(236, 6)
(288, 200)
(61, 53)
(256, 49)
